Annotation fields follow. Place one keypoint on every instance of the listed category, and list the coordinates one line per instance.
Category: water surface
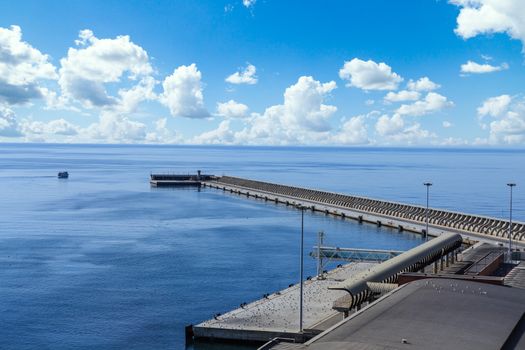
(102, 260)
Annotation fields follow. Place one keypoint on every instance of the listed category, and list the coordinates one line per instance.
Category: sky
(264, 72)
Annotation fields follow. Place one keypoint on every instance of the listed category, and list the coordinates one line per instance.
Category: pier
(275, 315)
(327, 300)
(382, 213)
(179, 180)
(333, 302)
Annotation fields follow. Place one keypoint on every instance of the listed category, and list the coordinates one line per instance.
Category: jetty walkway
(383, 213)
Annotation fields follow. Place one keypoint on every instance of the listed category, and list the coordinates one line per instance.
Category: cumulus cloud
(54, 127)
(22, 67)
(403, 95)
(303, 104)
(115, 128)
(509, 114)
(433, 102)
(303, 118)
(183, 93)
(478, 17)
(163, 134)
(85, 70)
(472, 67)
(9, 126)
(423, 84)
(353, 132)
(494, 106)
(394, 130)
(369, 75)
(221, 135)
(232, 109)
(131, 98)
(246, 76)
(386, 125)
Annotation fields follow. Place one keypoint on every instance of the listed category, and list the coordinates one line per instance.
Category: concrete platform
(431, 314)
(278, 314)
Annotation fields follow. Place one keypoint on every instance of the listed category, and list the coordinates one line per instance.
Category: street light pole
(427, 184)
(301, 272)
(511, 185)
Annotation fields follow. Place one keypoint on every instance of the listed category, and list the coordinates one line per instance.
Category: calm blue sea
(103, 261)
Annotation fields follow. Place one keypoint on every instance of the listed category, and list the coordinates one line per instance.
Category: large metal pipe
(388, 271)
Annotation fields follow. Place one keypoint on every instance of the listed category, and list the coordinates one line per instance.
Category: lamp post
(301, 207)
(511, 185)
(427, 184)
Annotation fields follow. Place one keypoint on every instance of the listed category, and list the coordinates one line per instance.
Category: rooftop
(432, 314)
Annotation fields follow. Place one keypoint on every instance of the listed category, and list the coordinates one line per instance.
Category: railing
(354, 254)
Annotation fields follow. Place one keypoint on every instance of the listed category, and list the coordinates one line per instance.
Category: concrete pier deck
(179, 180)
(277, 315)
(382, 213)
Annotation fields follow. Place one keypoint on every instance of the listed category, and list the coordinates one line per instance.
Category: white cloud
(389, 126)
(54, 127)
(22, 67)
(131, 98)
(232, 109)
(303, 118)
(494, 106)
(163, 134)
(423, 84)
(454, 141)
(509, 130)
(433, 102)
(369, 75)
(303, 104)
(509, 124)
(394, 130)
(246, 76)
(403, 95)
(477, 68)
(86, 70)
(478, 17)
(113, 128)
(221, 135)
(353, 132)
(248, 3)
(183, 93)
(9, 126)
(447, 124)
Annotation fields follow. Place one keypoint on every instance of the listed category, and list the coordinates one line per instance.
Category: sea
(104, 261)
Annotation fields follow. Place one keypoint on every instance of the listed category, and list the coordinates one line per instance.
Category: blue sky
(264, 72)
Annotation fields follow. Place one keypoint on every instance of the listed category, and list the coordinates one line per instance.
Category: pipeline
(387, 272)
(381, 288)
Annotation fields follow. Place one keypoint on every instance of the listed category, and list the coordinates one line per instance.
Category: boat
(63, 175)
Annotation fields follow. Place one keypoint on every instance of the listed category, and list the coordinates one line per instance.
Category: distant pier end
(176, 180)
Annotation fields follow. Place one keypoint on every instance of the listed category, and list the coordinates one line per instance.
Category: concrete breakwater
(392, 214)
